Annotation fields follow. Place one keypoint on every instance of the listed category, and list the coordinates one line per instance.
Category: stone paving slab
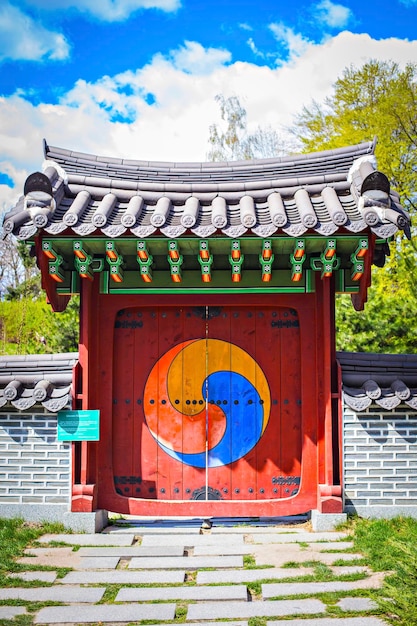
(124, 577)
(52, 594)
(321, 548)
(340, 546)
(112, 613)
(186, 562)
(251, 575)
(298, 537)
(149, 594)
(233, 622)
(97, 539)
(98, 562)
(222, 549)
(10, 612)
(129, 551)
(249, 548)
(279, 554)
(273, 590)
(271, 573)
(341, 570)
(42, 576)
(173, 539)
(357, 604)
(223, 610)
(330, 621)
(331, 557)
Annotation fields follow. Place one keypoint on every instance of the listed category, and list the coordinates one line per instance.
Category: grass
(15, 536)
(386, 545)
(391, 546)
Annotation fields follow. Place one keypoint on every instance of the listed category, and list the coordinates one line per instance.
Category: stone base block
(86, 522)
(79, 522)
(382, 512)
(326, 521)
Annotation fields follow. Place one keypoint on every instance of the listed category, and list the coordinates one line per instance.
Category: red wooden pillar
(85, 488)
(329, 488)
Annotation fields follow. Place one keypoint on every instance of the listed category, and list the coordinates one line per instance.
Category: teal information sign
(79, 425)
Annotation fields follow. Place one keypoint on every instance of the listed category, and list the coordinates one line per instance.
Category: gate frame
(320, 489)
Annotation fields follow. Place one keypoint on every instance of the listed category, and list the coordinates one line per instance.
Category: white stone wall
(35, 468)
(379, 448)
(380, 462)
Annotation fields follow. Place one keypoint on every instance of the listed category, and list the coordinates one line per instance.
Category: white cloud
(108, 10)
(254, 48)
(193, 58)
(292, 41)
(332, 14)
(172, 124)
(23, 38)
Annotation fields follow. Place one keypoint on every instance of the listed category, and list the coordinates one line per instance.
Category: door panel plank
(216, 376)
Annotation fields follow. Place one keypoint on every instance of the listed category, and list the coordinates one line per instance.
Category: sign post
(79, 425)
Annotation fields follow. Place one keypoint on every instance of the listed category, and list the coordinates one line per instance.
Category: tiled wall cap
(42, 390)
(12, 390)
(388, 402)
(372, 389)
(401, 390)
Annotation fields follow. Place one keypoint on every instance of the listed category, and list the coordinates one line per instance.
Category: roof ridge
(69, 156)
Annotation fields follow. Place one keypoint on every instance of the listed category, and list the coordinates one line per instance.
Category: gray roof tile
(306, 192)
(45, 380)
(387, 380)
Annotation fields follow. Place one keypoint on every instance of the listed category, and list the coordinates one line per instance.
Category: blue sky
(138, 78)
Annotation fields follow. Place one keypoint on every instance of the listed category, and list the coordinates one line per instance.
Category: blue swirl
(244, 413)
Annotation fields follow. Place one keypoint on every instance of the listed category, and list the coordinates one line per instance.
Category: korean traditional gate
(207, 338)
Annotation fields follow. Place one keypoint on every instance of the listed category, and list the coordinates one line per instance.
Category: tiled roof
(322, 193)
(37, 380)
(387, 380)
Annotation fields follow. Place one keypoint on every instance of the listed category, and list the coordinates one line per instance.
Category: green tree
(29, 326)
(11, 266)
(232, 141)
(64, 333)
(27, 322)
(377, 100)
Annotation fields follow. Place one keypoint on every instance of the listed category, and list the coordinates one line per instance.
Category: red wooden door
(207, 403)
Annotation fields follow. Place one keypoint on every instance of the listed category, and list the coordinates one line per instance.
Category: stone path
(171, 573)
